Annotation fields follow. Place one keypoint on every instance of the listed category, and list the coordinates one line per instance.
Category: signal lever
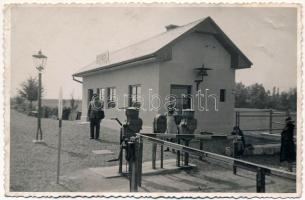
(121, 145)
(116, 119)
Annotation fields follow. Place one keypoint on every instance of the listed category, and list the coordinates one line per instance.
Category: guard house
(191, 66)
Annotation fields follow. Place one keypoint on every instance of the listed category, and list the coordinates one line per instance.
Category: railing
(269, 119)
(260, 170)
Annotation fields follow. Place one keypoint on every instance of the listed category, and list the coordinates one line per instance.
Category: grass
(33, 166)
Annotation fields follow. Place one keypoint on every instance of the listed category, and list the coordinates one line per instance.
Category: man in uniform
(95, 115)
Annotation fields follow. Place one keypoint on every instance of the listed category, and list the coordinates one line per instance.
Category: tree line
(28, 93)
(256, 96)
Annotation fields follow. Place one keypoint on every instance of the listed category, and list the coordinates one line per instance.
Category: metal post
(260, 180)
(186, 155)
(154, 155)
(178, 155)
(201, 148)
(133, 167)
(234, 156)
(270, 121)
(59, 150)
(121, 152)
(238, 117)
(161, 156)
(39, 131)
(140, 160)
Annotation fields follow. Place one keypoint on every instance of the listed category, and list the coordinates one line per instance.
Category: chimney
(171, 27)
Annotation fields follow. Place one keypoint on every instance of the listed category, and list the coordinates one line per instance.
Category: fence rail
(264, 119)
(260, 170)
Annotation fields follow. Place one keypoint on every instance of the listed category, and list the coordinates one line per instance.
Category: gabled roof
(148, 48)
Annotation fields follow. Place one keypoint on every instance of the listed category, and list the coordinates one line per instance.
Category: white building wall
(147, 75)
(189, 53)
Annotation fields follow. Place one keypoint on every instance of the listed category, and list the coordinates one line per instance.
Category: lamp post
(39, 62)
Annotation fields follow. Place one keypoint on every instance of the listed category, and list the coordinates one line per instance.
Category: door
(182, 96)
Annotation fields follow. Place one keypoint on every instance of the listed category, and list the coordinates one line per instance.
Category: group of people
(288, 149)
(287, 153)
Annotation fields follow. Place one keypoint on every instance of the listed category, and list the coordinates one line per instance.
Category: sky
(71, 37)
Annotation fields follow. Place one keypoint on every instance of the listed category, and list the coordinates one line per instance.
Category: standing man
(288, 153)
(95, 115)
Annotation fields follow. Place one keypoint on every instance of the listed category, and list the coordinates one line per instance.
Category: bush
(66, 113)
(48, 112)
(18, 103)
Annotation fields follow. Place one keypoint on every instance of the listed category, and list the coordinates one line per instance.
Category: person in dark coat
(288, 153)
(95, 115)
(237, 132)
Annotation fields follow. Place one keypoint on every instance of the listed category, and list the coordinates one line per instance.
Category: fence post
(270, 121)
(154, 152)
(234, 156)
(140, 160)
(260, 180)
(161, 156)
(121, 152)
(178, 155)
(236, 124)
(133, 171)
(201, 148)
(186, 155)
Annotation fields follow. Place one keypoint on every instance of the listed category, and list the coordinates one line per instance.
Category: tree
(256, 96)
(29, 90)
(241, 96)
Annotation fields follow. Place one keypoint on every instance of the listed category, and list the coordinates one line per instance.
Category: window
(222, 95)
(111, 97)
(135, 95)
(102, 94)
(90, 95)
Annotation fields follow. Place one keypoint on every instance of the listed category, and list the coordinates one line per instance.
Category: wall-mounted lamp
(201, 72)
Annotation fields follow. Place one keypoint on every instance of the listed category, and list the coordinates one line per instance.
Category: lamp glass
(39, 61)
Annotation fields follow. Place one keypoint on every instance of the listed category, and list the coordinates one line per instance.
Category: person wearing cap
(95, 115)
(287, 153)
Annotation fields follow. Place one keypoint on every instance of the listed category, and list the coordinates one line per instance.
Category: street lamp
(39, 62)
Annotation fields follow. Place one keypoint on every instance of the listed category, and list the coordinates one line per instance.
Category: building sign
(102, 58)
